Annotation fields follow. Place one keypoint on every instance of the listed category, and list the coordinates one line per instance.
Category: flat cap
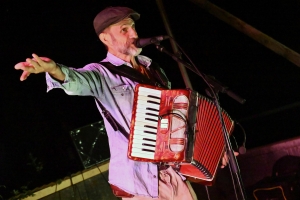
(112, 15)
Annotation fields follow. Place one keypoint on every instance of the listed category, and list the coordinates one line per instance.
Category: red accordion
(178, 127)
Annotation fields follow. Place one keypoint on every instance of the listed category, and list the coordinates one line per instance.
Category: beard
(126, 48)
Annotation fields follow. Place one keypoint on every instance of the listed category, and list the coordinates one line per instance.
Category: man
(115, 27)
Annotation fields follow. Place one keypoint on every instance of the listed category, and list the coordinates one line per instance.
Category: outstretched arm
(38, 65)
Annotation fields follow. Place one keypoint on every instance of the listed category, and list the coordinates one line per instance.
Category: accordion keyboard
(146, 123)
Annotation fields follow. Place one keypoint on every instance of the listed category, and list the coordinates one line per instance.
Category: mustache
(131, 40)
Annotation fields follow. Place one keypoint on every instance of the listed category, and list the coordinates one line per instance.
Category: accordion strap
(114, 123)
(129, 72)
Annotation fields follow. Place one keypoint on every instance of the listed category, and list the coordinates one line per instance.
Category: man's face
(122, 36)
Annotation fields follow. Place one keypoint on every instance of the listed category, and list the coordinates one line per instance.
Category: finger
(236, 153)
(45, 59)
(223, 165)
(24, 76)
(225, 157)
(32, 63)
(40, 60)
(22, 65)
(224, 161)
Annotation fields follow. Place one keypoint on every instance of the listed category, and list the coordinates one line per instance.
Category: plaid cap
(113, 15)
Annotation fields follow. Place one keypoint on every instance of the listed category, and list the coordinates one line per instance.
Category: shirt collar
(118, 62)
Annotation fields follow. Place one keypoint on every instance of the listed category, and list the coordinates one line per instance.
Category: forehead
(124, 22)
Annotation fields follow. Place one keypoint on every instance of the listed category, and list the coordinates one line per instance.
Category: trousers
(171, 187)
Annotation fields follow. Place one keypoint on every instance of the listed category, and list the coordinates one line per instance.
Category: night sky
(35, 125)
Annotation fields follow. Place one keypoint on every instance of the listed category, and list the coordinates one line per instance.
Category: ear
(105, 38)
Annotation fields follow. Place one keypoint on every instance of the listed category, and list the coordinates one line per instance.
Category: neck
(127, 58)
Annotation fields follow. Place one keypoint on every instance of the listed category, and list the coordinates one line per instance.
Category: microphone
(142, 42)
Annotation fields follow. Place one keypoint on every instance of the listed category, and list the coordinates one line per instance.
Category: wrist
(57, 73)
(54, 70)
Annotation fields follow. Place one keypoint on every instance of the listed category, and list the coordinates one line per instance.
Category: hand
(36, 65)
(225, 159)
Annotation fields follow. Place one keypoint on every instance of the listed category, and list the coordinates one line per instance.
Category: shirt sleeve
(86, 81)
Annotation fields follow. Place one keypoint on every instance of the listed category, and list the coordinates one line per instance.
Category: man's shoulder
(94, 66)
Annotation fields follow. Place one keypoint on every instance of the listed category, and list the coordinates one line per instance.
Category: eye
(124, 30)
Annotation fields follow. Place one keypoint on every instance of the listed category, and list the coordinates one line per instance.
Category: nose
(133, 33)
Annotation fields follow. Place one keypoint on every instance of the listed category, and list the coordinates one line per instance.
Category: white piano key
(144, 110)
(148, 99)
(142, 135)
(153, 130)
(150, 90)
(144, 116)
(148, 155)
(141, 141)
(145, 104)
(149, 95)
(141, 146)
(145, 127)
(143, 151)
(145, 122)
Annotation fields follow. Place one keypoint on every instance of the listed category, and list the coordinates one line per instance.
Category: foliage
(2, 186)
(36, 164)
(24, 190)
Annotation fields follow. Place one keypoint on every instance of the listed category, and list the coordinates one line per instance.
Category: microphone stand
(216, 87)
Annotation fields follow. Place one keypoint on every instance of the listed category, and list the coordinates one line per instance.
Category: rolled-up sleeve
(84, 82)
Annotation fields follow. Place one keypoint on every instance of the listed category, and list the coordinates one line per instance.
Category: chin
(134, 51)
(138, 51)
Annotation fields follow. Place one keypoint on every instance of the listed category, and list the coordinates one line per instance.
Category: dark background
(35, 125)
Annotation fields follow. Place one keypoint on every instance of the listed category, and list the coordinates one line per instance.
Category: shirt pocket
(123, 95)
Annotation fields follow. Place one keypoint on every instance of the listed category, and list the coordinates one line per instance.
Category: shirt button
(154, 176)
(122, 94)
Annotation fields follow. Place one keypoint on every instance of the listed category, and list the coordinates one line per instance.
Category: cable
(242, 149)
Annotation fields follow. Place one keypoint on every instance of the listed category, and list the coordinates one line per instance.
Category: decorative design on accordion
(177, 140)
(158, 125)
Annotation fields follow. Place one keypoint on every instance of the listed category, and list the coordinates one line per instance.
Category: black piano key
(153, 102)
(151, 114)
(151, 119)
(153, 109)
(155, 97)
(148, 150)
(154, 133)
(147, 139)
(148, 126)
(150, 145)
